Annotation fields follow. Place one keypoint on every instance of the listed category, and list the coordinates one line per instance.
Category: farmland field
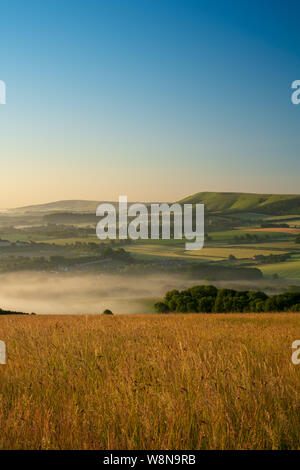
(287, 270)
(214, 252)
(150, 382)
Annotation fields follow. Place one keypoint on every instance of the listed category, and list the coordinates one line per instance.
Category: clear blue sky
(156, 99)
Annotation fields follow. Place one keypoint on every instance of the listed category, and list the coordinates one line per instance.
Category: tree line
(209, 299)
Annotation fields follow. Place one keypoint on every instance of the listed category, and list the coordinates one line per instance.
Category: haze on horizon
(153, 100)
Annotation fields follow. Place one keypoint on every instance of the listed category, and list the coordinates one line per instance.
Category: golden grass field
(196, 381)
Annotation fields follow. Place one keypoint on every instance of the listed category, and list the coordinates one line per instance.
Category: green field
(286, 270)
(231, 220)
(265, 236)
(213, 253)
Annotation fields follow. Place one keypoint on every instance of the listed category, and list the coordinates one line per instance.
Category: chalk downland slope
(276, 204)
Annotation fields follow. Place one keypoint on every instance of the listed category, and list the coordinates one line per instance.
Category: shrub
(107, 312)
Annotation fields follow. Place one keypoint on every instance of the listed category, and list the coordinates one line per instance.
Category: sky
(153, 99)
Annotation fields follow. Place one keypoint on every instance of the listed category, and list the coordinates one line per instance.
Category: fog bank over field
(54, 293)
(44, 293)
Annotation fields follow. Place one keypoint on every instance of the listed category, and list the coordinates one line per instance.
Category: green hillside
(275, 204)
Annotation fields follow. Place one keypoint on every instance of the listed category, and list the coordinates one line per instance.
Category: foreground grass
(150, 382)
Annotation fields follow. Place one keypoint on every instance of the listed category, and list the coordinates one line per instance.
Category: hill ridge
(233, 202)
(215, 202)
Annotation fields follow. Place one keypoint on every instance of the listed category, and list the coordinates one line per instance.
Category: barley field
(196, 381)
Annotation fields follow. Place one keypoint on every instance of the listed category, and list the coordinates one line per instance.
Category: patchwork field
(150, 382)
(277, 230)
(213, 252)
(286, 270)
(64, 233)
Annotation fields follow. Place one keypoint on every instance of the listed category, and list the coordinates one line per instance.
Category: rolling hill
(216, 202)
(273, 204)
(72, 205)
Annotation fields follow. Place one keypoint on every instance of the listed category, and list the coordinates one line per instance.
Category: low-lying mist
(44, 293)
(52, 293)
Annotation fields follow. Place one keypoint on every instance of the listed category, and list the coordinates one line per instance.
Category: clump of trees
(209, 299)
(10, 312)
(271, 225)
(107, 312)
(272, 258)
(248, 237)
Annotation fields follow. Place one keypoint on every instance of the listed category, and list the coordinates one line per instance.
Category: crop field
(287, 270)
(222, 381)
(223, 239)
(277, 230)
(294, 222)
(213, 253)
(283, 246)
(70, 240)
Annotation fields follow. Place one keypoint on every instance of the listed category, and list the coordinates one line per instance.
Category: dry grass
(150, 382)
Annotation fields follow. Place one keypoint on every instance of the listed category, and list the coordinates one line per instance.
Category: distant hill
(72, 205)
(273, 204)
(269, 204)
